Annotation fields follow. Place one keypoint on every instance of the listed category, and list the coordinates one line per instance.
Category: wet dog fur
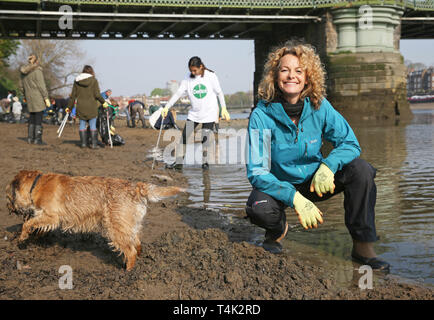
(113, 207)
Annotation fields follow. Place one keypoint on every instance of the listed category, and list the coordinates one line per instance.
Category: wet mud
(187, 253)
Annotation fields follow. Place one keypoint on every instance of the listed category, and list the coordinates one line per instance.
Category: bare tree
(61, 60)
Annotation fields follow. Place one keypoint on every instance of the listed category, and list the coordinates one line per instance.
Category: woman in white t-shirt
(203, 89)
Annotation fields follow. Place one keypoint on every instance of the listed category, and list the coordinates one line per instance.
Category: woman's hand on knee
(323, 181)
(308, 213)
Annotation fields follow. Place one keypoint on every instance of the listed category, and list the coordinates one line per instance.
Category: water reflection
(404, 157)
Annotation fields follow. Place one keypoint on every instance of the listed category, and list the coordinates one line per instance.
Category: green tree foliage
(239, 99)
(414, 66)
(160, 92)
(7, 49)
(8, 81)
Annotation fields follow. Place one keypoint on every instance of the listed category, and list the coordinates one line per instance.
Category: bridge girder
(126, 19)
(22, 20)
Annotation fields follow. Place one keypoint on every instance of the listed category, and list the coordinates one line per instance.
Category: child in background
(16, 108)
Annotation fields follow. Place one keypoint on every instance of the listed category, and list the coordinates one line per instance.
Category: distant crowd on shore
(13, 109)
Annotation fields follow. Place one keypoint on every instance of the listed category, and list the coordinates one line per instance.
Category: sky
(418, 51)
(131, 67)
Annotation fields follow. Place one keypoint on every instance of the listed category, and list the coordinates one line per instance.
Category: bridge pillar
(366, 72)
(366, 75)
(366, 29)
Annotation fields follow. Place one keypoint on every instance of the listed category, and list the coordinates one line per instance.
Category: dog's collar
(35, 182)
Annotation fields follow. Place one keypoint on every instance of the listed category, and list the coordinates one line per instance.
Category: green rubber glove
(115, 110)
(164, 112)
(323, 181)
(308, 214)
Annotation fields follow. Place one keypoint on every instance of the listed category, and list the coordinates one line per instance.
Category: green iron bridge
(190, 19)
(357, 40)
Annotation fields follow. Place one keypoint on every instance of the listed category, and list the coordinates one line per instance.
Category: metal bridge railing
(289, 4)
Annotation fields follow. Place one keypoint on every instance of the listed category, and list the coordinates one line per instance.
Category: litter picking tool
(62, 125)
(158, 143)
(108, 128)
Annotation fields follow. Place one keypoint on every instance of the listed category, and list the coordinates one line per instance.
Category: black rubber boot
(272, 246)
(143, 124)
(128, 124)
(38, 135)
(177, 165)
(133, 123)
(272, 242)
(83, 139)
(94, 137)
(31, 133)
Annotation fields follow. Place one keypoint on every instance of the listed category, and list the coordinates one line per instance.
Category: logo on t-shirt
(200, 91)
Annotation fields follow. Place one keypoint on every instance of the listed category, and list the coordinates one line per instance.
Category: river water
(404, 157)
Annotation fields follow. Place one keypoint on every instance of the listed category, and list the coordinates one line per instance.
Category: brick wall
(368, 85)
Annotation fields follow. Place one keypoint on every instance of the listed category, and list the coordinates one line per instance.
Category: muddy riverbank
(188, 253)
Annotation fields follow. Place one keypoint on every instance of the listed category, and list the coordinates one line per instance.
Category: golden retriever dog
(113, 207)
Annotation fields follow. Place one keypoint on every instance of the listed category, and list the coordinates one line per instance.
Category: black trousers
(189, 128)
(356, 180)
(191, 124)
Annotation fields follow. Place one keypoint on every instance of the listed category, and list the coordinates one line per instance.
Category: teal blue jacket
(281, 154)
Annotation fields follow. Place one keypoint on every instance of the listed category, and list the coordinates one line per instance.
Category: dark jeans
(356, 180)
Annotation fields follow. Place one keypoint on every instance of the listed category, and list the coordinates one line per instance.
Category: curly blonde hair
(268, 89)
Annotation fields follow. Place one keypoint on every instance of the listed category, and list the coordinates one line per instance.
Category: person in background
(106, 95)
(86, 94)
(136, 107)
(33, 85)
(59, 106)
(4, 103)
(203, 89)
(285, 164)
(16, 108)
(10, 96)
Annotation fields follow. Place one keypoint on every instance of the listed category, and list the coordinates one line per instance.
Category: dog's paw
(22, 245)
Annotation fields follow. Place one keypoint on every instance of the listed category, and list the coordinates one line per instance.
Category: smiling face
(291, 78)
(197, 71)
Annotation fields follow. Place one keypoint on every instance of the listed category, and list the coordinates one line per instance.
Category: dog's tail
(156, 193)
